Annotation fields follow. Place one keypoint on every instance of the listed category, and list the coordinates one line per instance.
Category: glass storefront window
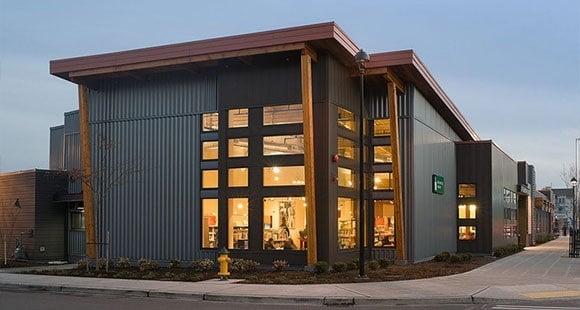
(238, 177)
(382, 154)
(466, 232)
(209, 224)
(383, 181)
(238, 118)
(346, 148)
(346, 223)
(209, 150)
(283, 114)
(384, 235)
(285, 223)
(345, 177)
(346, 119)
(238, 147)
(381, 127)
(467, 211)
(77, 220)
(209, 179)
(466, 190)
(209, 122)
(284, 176)
(284, 145)
(238, 223)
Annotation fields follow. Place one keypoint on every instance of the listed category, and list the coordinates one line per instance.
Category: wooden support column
(309, 179)
(88, 201)
(401, 253)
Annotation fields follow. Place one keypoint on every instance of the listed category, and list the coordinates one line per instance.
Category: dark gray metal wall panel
(50, 228)
(153, 208)
(76, 245)
(56, 153)
(72, 149)
(159, 95)
(71, 122)
(504, 173)
(343, 89)
(252, 86)
(405, 108)
(434, 216)
(376, 101)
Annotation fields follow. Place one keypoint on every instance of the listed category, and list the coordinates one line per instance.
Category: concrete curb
(303, 300)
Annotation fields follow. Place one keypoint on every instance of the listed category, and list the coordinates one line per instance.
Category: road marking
(553, 294)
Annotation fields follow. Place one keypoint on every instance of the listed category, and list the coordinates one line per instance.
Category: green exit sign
(438, 184)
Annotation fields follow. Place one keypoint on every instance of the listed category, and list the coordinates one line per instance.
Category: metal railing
(574, 243)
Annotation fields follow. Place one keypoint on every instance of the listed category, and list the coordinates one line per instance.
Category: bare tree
(106, 175)
(567, 173)
(9, 215)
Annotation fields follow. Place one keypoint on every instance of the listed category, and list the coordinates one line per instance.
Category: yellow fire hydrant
(224, 263)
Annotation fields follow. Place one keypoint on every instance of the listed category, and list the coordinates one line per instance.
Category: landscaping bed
(251, 272)
(21, 263)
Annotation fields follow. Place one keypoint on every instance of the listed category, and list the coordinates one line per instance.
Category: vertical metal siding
(343, 89)
(56, 153)
(72, 148)
(376, 101)
(153, 128)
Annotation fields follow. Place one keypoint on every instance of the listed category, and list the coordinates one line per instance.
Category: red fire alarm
(335, 158)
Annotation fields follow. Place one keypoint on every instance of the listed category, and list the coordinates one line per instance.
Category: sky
(512, 67)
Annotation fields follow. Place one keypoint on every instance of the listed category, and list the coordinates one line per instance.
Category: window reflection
(238, 147)
(346, 148)
(381, 127)
(209, 122)
(285, 223)
(209, 150)
(209, 225)
(238, 223)
(382, 154)
(284, 145)
(345, 177)
(346, 119)
(383, 181)
(346, 223)
(466, 232)
(283, 114)
(238, 118)
(284, 176)
(384, 235)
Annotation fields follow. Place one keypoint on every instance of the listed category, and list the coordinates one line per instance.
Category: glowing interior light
(276, 169)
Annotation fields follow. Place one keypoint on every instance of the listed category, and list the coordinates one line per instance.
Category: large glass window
(209, 122)
(382, 154)
(384, 235)
(346, 223)
(283, 114)
(284, 145)
(345, 177)
(238, 147)
(209, 179)
(209, 224)
(346, 148)
(346, 119)
(466, 232)
(466, 190)
(383, 181)
(467, 211)
(238, 177)
(381, 127)
(238, 118)
(284, 176)
(209, 150)
(285, 223)
(238, 223)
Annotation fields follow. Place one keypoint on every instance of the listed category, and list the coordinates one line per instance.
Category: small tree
(567, 173)
(9, 214)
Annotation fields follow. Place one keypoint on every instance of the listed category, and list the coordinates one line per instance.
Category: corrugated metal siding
(56, 155)
(76, 244)
(343, 90)
(72, 148)
(161, 95)
(151, 134)
(153, 209)
(376, 101)
(504, 174)
(434, 216)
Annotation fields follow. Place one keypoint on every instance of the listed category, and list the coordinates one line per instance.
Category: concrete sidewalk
(538, 274)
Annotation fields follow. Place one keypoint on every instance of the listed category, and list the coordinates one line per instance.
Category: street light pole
(361, 58)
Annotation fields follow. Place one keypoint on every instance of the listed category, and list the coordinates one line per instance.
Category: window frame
(202, 150)
(203, 115)
(217, 235)
(467, 197)
(247, 123)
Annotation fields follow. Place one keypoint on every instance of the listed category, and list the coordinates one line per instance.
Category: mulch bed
(391, 273)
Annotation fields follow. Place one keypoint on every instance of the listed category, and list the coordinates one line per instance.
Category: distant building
(544, 211)
(563, 207)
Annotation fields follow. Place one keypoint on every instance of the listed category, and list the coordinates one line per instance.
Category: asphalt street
(55, 301)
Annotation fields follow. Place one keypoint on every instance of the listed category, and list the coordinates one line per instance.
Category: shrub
(147, 264)
(353, 265)
(439, 258)
(169, 275)
(373, 265)
(244, 265)
(454, 259)
(384, 263)
(123, 263)
(82, 264)
(507, 250)
(101, 263)
(445, 255)
(175, 263)
(149, 276)
(280, 265)
(321, 267)
(339, 267)
(183, 277)
(203, 265)
(465, 257)
(124, 274)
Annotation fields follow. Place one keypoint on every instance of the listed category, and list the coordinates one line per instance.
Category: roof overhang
(326, 36)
